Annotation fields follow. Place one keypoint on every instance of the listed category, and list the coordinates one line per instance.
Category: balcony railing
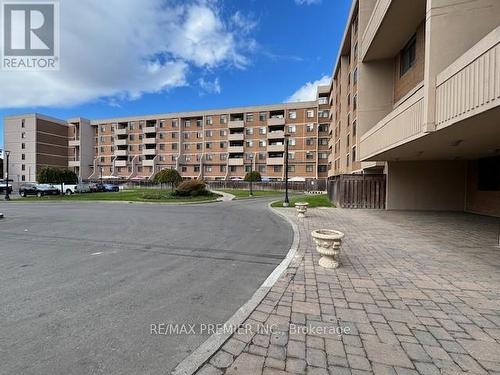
(74, 163)
(471, 84)
(275, 161)
(73, 142)
(149, 141)
(235, 161)
(148, 163)
(121, 142)
(149, 151)
(276, 148)
(276, 121)
(149, 129)
(121, 152)
(276, 134)
(121, 131)
(236, 137)
(236, 124)
(120, 163)
(235, 149)
(401, 125)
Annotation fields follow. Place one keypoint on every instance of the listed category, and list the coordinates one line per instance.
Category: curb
(226, 197)
(206, 350)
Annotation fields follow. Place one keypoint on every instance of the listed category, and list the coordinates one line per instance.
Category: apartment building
(213, 145)
(415, 94)
(35, 141)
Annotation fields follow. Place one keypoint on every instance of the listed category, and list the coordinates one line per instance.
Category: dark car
(38, 189)
(105, 188)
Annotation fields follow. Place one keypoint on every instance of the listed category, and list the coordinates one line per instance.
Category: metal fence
(358, 191)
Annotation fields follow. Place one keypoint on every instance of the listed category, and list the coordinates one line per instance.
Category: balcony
(236, 137)
(74, 142)
(149, 141)
(471, 84)
(120, 163)
(121, 131)
(235, 149)
(149, 151)
(148, 163)
(275, 161)
(236, 124)
(402, 125)
(276, 134)
(235, 161)
(121, 152)
(276, 148)
(73, 163)
(149, 129)
(276, 121)
(121, 142)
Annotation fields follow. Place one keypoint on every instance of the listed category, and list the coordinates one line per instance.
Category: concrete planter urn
(328, 244)
(301, 208)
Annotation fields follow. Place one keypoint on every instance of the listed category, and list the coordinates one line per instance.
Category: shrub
(168, 176)
(155, 195)
(253, 176)
(193, 188)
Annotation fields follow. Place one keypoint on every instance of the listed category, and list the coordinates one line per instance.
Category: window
(355, 75)
(184, 169)
(162, 147)
(291, 155)
(174, 123)
(249, 156)
(354, 128)
(223, 132)
(187, 124)
(291, 128)
(323, 127)
(162, 124)
(354, 154)
(196, 168)
(222, 144)
(355, 52)
(407, 56)
(262, 156)
(209, 120)
(347, 159)
(262, 131)
(186, 147)
(249, 143)
(291, 168)
(208, 145)
(323, 100)
(262, 143)
(199, 146)
(186, 135)
(248, 168)
(249, 117)
(162, 135)
(310, 113)
(309, 167)
(23, 146)
(354, 102)
(103, 128)
(292, 114)
(322, 155)
(262, 116)
(277, 168)
(208, 168)
(322, 168)
(174, 135)
(223, 157)
(23, 178)
(309, 141)
(23, 167)
(310, 128)
(249, 131)
(23, 156)
(262, 168)
(23, 135)
(199, 135)
(222, 168)
(292, 142)
(208, 133)
(223, 119)
(309, 155)
(323, 114)
(199, 123)
(23, 123)
(323, 141)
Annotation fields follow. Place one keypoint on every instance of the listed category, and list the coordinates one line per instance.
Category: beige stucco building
(415, 94)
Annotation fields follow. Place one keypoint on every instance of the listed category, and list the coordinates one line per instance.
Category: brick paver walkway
(418, 292)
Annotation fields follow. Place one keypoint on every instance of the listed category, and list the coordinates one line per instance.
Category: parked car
(105, 188)
(69, 189)
(38, 189)
(3, 186)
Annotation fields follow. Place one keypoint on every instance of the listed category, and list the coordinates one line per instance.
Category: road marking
(98, 253)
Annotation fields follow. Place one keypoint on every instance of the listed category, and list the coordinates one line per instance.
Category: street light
(250, 156)
(7, 154)
(100, 168)
(286, 203)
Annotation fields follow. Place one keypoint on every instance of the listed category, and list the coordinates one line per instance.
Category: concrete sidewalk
(417, 293)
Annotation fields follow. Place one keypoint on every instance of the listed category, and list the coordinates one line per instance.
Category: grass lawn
(244, 193)
(313, 200)
(136, 195)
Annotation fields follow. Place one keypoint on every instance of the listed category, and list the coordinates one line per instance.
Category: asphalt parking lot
(81, 283)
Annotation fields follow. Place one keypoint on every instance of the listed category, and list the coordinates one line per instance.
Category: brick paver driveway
(418, 292)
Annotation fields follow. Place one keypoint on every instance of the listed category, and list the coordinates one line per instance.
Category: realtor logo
(30, 35)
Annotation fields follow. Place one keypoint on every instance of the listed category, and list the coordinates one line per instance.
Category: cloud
(211, 87)
(307, 2)
(308, 91)
(117, 50)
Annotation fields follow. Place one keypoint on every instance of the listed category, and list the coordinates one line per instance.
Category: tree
(251, 177)
(51, 175)
(168, 176)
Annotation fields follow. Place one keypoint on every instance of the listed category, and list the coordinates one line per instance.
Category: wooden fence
(358, 191)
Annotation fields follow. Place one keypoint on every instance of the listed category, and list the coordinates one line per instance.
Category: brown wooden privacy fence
(358, 191)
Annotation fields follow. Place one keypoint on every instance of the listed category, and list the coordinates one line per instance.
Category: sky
(134, 57)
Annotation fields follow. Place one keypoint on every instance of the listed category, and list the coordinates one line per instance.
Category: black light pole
(100, 168)
(286, 203)
(251, 177)
(7, 154)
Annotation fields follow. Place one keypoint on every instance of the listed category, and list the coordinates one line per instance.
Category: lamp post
(7, 154)
(100, 169)
(286, 203)
(250, 156)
